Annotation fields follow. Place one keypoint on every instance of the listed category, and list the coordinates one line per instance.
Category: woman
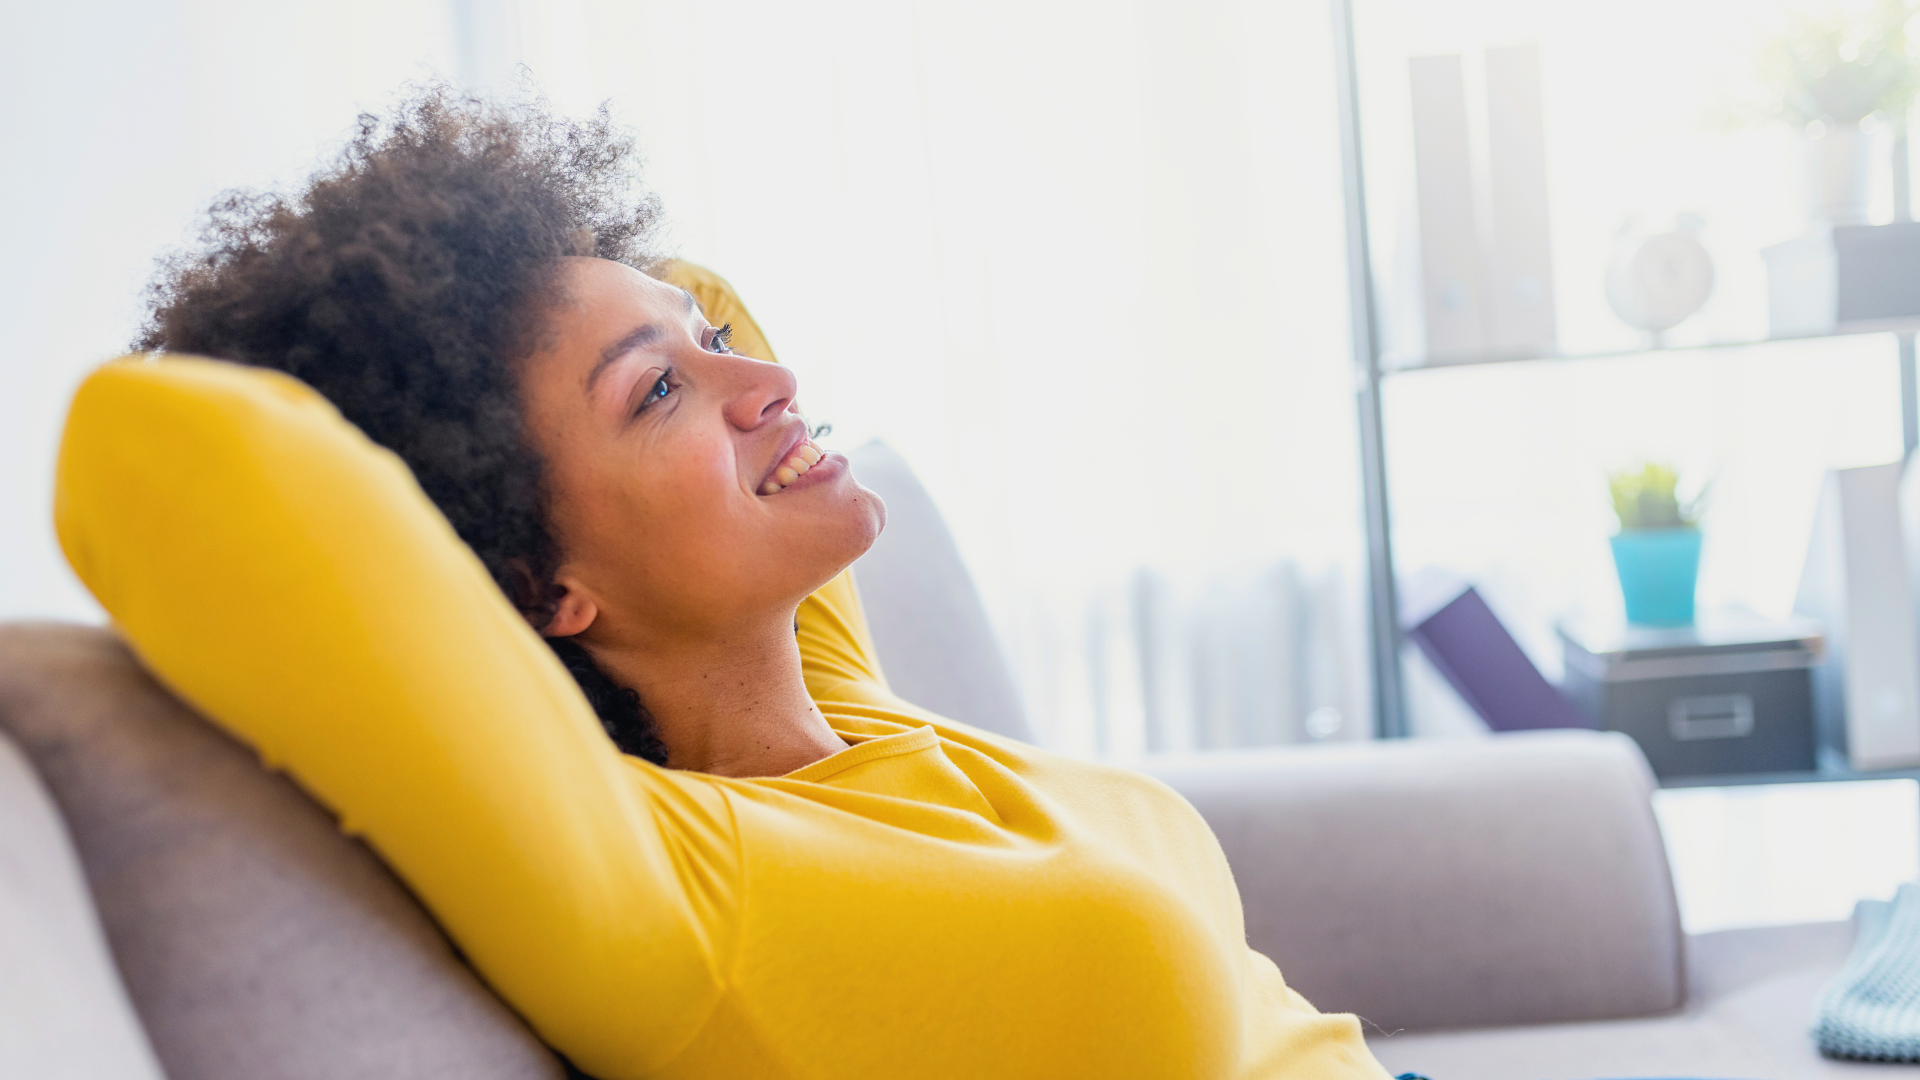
(822, 880)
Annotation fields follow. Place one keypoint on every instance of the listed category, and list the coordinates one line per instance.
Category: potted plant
(1830, 68)
(1657, 551)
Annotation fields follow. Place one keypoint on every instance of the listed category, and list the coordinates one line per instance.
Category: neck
(730, 705)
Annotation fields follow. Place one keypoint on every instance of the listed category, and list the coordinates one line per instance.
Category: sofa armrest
(1515, 879)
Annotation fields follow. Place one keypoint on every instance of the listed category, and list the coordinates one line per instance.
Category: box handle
(1711, 716)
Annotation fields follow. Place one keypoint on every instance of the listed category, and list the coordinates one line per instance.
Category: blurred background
(1086, 266)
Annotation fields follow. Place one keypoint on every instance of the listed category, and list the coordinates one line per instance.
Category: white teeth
(804, 457)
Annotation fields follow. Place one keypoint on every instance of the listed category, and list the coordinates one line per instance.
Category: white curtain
(1081, 263)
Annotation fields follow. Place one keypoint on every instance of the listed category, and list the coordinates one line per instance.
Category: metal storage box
(1731, 694)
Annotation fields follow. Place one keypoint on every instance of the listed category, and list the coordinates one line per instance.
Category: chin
(839, 525)
(878, 513)
(856, 518)
(866, 515)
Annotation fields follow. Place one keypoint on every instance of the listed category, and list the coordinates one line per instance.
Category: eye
(722, 340)
(663, 386)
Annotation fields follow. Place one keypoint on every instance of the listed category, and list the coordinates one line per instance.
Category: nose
(762, 393)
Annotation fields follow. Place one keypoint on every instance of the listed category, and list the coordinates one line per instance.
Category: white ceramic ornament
(1656, 280)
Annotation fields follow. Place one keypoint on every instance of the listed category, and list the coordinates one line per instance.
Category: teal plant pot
(1658, 569)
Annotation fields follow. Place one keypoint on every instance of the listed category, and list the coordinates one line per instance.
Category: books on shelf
(1480, 188)
(1467, 643)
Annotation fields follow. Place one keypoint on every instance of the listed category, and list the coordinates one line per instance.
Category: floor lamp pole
(1383, 618)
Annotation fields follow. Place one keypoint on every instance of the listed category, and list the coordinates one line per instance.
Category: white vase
(1838, 157)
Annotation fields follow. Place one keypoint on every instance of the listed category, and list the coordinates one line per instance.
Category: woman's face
(665, 455)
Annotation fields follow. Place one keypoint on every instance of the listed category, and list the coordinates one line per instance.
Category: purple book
(1468, 644)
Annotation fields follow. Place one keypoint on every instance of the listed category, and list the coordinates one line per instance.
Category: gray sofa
(1492, 909)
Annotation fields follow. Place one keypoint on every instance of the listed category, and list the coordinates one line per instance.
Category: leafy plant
(1648, 498)
(1839, 64)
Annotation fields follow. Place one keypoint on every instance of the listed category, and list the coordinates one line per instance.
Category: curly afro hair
(405, 282)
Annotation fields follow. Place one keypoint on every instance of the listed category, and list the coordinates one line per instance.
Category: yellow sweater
(931, 902)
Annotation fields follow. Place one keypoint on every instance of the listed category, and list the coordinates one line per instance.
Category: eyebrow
(639, 338)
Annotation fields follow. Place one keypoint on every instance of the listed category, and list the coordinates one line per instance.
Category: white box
(1844, 278)
(1860, 583)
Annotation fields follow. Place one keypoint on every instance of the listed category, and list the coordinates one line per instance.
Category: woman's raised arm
(289, 579)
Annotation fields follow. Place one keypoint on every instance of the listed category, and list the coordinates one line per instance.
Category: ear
(573, 613)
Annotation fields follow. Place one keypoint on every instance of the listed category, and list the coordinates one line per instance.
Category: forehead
(603, 309)
(601, 285)
(602, 313)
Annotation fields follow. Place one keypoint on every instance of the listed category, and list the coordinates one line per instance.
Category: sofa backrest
(64, 1014)
(1426, 883)
(254, 939)
(937, 648)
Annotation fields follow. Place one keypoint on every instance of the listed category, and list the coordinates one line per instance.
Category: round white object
(1323, 723)
(1655, 282)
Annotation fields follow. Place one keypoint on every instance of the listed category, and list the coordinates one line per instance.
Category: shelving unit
(1371, 370)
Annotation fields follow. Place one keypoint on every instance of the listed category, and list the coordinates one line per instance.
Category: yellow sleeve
(836, 651)
(290, 580)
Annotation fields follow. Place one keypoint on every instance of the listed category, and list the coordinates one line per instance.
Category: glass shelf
(1815, 776)
(1512, 197)
(1389, 366)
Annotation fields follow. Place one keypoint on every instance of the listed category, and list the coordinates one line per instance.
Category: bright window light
(1788, 853)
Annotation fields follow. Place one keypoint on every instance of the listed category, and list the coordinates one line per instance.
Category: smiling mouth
(804, 457)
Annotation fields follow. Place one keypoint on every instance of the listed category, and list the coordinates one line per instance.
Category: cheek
(691, 486)
(673, 505)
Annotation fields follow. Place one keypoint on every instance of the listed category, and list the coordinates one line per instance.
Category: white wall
(119, 121)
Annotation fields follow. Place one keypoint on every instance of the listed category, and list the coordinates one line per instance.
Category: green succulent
(1647, 498)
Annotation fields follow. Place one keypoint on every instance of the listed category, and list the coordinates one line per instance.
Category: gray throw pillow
(255, 939)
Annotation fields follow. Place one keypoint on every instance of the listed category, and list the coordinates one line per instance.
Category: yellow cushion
(721, 305)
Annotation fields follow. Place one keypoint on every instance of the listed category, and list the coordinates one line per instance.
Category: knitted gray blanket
(1871, 1010)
